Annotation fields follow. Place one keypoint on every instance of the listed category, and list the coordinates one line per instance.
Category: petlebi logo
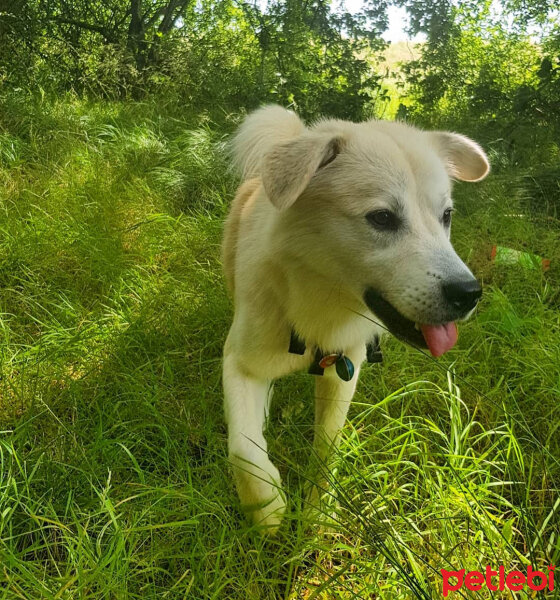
(498, 580)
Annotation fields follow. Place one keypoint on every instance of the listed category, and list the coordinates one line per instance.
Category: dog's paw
(268, 516)
(321, 520)
(320, 513)
(260, 492)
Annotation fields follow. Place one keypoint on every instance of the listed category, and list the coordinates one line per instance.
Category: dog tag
(328, 360)
(344, 368)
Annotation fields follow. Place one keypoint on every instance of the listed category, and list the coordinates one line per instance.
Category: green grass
(114, 480)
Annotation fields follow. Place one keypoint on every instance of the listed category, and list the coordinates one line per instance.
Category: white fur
(260, 131)
(299, 253)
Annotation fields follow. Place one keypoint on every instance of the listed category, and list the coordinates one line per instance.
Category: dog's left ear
(464, 158)
(288, 168)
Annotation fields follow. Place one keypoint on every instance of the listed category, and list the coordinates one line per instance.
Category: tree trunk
(136, 38)
(174, 10)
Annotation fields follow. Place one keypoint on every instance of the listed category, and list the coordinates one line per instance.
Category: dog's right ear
(288, 168)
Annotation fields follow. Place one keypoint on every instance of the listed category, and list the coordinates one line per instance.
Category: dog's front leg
(332, 401)
(257, 479)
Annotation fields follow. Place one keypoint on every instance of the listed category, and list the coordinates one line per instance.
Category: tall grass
(114, 481)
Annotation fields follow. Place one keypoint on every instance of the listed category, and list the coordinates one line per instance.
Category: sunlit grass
(114, 481)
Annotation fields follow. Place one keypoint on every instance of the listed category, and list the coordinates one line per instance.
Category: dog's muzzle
(462, 295)
(460, 298)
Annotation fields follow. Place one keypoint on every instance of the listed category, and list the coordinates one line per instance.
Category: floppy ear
(288, 168)
(464, 158)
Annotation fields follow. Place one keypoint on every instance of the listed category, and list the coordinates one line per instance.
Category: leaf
(507, 531)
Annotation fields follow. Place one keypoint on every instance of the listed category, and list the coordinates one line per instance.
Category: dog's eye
(446, 219)
(383, 219)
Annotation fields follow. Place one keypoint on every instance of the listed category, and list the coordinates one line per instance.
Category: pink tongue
(440, 338)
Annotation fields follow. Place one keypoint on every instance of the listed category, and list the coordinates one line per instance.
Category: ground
(114, 481)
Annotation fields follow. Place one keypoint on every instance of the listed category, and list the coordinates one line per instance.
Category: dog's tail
(259, 132)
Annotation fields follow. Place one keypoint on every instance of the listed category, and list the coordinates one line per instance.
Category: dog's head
(369, 206)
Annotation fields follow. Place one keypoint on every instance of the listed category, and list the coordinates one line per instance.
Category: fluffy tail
(259, 132)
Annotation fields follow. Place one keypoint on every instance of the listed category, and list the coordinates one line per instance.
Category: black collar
(322, 359)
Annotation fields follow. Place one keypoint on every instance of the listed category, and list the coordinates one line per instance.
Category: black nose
(462, 294)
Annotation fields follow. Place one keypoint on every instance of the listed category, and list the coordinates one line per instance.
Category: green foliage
(477, 69)
(222, 54)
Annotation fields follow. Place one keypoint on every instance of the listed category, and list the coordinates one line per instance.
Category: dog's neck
(324, 314)
(334, 359)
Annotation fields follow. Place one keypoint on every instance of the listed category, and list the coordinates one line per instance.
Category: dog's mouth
(437, 338)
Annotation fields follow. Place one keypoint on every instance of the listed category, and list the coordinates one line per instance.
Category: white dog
(333, 222)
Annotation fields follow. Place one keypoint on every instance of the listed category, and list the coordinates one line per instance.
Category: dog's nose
(463, 294)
